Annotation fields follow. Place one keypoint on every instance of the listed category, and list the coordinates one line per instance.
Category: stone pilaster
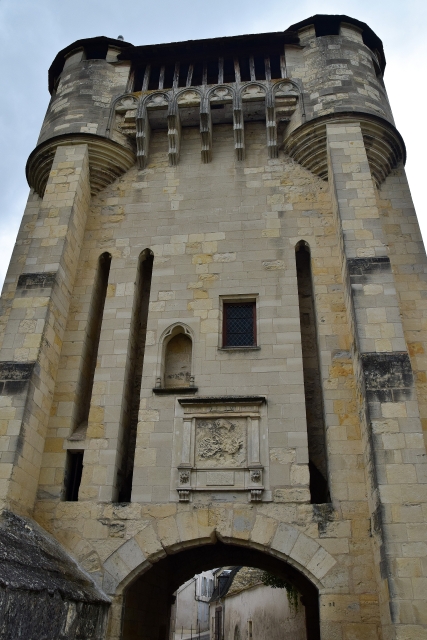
(35, 327)
(394, 448)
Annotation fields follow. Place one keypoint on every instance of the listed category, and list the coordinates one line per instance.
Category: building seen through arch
(235, 602)
(212, 346)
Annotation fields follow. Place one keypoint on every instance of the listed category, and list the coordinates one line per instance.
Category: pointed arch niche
(176, 361)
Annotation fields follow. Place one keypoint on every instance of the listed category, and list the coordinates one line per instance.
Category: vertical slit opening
(197, 78)
(317, 452)
(139, 74)
(153, 83)
(183, 74)
(169, 75)
(73, 475)
(275, 67)
(91, 342)
(136, 350)
(259, 67)
(229, 75)
(212, 71)
(245, 74)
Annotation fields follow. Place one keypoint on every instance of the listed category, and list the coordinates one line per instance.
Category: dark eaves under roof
(215, 47)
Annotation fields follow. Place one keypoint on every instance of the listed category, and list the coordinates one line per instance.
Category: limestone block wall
(196, 267)
(215, 230)
(18, 259)
(408, 260)
(394, 447)
(191, 273)
(338, 74)
(83, 95)
(33, 334)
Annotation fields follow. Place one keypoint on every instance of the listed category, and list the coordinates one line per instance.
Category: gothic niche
(177, 359)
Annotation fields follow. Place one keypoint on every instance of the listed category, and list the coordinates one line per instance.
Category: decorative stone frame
(172, 331)
(196, 475)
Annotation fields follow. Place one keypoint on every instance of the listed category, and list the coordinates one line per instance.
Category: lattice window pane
(239, 324)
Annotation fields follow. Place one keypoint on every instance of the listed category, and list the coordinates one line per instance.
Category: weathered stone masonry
(137, 448)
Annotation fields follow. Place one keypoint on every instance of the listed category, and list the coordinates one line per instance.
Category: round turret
(84, 80)
(343, 67)
(341, 71)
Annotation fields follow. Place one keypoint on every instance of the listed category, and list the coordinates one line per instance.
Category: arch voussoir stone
(242, 522)
(167, 530)
(302, 552)
(263, 531)
(188, 527)
(122, 563)
(150, 544)
(197, 527)
(320, 563)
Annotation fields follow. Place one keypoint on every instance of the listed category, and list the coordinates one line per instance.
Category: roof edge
(324, 24)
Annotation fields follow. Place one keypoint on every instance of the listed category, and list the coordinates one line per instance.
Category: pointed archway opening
(149, 598)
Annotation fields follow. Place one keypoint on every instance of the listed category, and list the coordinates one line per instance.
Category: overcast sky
(33, 31)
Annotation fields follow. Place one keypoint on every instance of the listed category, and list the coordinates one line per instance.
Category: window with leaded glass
(239, 328)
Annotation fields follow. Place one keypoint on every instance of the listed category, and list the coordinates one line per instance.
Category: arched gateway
(148, 598)
(212, 339)
(143, 573)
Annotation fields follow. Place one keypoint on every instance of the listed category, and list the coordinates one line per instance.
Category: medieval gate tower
(213, 339)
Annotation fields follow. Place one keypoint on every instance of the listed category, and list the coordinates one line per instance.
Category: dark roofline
(224, 46)
(187, 50)
(210, 48)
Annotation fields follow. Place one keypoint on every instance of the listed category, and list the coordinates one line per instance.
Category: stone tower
(213, 339)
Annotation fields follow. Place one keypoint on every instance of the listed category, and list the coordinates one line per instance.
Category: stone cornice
(384, 144)
(107, 160)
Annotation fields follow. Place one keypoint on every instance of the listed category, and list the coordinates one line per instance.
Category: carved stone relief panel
(253, 92)
(220, 446)
(157, 101)
(221, 94)
(189, 99)
(221, 442)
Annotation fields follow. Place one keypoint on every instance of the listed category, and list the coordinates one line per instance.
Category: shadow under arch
(149, 595)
